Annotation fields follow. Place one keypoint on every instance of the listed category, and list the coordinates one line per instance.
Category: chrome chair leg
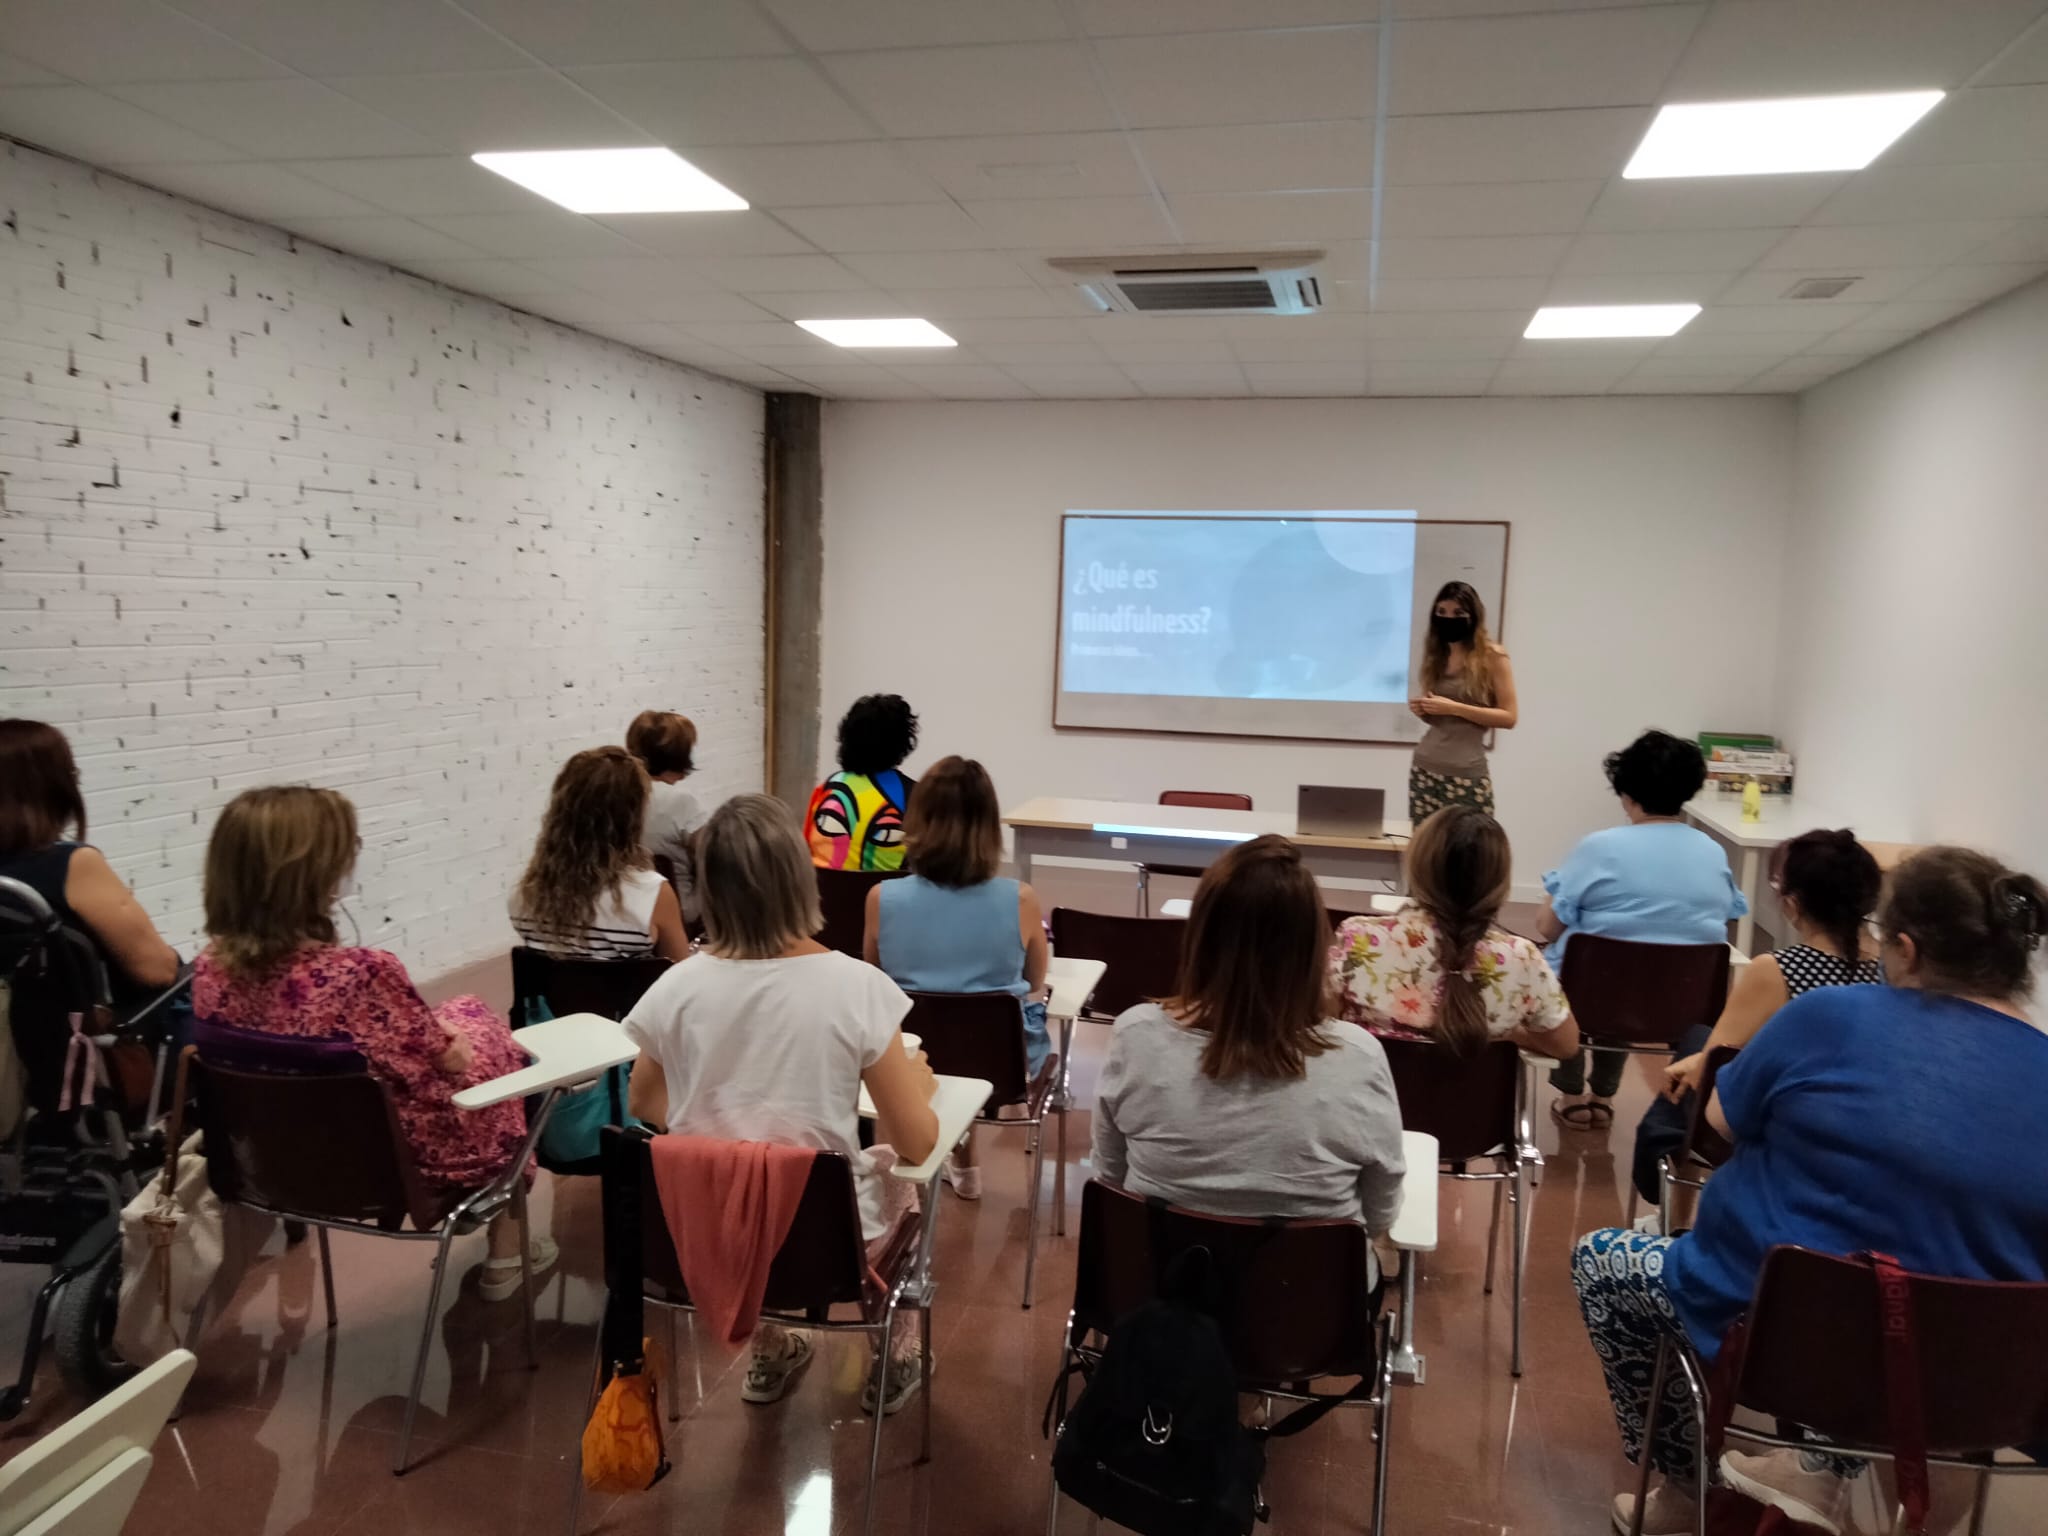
(1500, 1190)
(526, 1273)
(327, 1274)
(1031, 1209)
(1980, 1503)
(885, 1343)
(1059, 1177)
(1383, 1423)
(576, 1460)
(1519, 1257)
(924, 1373)
(419, 1367)
(675, 1369)
(1652, 1411)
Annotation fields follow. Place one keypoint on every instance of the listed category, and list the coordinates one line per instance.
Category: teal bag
(569, 1142)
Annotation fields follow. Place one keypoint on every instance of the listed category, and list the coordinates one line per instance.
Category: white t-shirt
(773, 1050)
(621, 928)
(673, 817)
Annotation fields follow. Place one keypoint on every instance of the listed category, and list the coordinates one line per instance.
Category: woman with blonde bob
(954, 925)
(1442, 967)
(767, 1035)
(1241, 1096)
(590, 891)
(278, 861)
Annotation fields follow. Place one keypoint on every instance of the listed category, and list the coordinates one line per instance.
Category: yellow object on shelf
(1752, 801)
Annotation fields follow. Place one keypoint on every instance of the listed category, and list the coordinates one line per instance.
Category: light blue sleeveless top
(938, 940)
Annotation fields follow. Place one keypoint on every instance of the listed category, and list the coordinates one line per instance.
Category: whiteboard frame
(1497, 627)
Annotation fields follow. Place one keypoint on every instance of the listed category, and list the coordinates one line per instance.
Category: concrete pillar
(796, 568)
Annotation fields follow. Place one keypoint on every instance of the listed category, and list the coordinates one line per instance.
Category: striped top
(621, 928)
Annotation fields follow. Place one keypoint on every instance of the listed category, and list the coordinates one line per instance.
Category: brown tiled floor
(290, 1428)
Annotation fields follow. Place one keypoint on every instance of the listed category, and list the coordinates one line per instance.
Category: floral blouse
(1387, 977)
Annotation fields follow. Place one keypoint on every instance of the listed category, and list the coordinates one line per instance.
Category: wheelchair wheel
(84, 1330)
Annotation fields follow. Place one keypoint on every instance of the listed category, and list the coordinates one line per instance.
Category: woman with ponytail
(1441, 968)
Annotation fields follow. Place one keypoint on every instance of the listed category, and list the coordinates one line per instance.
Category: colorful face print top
(856, 822)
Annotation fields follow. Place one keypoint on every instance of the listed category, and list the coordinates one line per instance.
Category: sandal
(501, 1277)
(1583, 1114)
(769, 1379)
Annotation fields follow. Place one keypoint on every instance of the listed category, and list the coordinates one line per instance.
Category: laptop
(1337, 810)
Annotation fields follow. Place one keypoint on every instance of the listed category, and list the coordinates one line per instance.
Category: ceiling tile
(1266, 218)
(1637, 287)
(1695, 250)
(831, 304)
(1062, 354)
(1688, 343)
(1533, 376)
(2026, 63)
(102, 42)
(939, 269)
(1798, 374)
(837, 26)
(1241, 77)
(1196, 380)
(1102, 381)
(977, 330)
(756, 337)
(1912, 193)
(724, 233)
(950, 304)
(1569, 145)
(1405, 351)
(493, 110)
(2025, 241)
(1590, 354)
(726, 101)
(996, 89)
(891, 227)
(580, 309)
(631, 31)
(1801, 317)
(1481, 293)
(1125, 18)
(960, 381)
(1030, 165)
(1769, 285)
(1299, 339)
(1711, 202)
(1447, 324)
(1259, 157)
(16, 71)
(1857, 343)
(1340, 376)
(1414, 10)
(1541, 208)
(358, 37)
(1461, 371)
(394, 240)
(490, 275)
(419, 184)
(1479, 256)
(1849, 247)
(254, 190)
(2005, 123)
(626, 277)
(1090, 224)
(1748, 48)
(1309, 389)
(816, 175)
(77, 120)
(526, 236)
(1977, 284)
(1720, 370)
(1150, 352)
(778, 274)
(1570, 59)
(1397, 387)
(280, 119)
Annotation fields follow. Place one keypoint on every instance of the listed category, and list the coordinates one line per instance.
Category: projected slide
(1255, 623)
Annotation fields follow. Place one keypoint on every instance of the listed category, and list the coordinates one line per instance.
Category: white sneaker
(1779, 1480)
(965, 1178)
(1669, 1511)
(501, 1276)
(1651, 1222)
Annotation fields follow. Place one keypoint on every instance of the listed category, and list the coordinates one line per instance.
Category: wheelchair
(88, 1135)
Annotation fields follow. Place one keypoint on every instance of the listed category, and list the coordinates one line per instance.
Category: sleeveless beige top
(1450, 746)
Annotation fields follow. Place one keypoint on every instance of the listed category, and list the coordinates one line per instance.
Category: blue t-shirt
(1873, 1118)
(1657, 882)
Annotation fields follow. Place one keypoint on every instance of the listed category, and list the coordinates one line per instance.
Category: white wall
(270, 513)
(1642, 585)
(1914, 684)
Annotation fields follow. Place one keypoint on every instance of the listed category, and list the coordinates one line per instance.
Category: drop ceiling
(1458, 160)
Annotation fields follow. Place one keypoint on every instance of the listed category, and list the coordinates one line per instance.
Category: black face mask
(1452, 629)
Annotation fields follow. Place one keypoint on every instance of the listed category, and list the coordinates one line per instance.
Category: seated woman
(955, 925)
(766, 1035)
(1827, 884)
(589, 891)
(1656, 881)
(855, 819)
(666, 745)
(1902, 1119)
(1240, 1096)
(1441, 968)
(40, 801)
(278, 861)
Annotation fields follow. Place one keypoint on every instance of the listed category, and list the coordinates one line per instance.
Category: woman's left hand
(1437, 704)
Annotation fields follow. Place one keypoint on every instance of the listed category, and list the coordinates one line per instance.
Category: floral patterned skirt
(1429, 793)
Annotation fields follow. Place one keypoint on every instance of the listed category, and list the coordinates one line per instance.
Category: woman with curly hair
(590, 891)
(856, 816)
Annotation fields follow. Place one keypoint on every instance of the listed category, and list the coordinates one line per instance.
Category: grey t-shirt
(1326, 1144)
(673, 817)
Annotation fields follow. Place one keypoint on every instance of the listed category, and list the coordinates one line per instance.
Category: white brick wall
(272, 514)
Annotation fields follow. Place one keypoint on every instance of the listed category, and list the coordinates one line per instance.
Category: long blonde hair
(1436, 653)
(589, 840)
(755, 881)
(273, 864)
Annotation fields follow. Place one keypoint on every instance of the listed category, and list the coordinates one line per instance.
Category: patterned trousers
(1431, 792)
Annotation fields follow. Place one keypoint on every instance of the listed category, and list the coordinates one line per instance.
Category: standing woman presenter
(1467, 688)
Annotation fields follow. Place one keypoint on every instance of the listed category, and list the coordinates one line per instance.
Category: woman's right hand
(928, 1080)
(1683, 1076)
(459, 1056)
(1415, 709)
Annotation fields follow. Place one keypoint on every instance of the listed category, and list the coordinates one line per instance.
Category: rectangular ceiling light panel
(614, 180)
(1776, 138)
(879, 333)
(1558, 322)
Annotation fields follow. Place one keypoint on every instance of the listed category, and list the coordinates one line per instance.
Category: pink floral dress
(1387, 977)
(364, 995)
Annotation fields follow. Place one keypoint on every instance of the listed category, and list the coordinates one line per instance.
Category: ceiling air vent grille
(1275, 283)
(1820, 287)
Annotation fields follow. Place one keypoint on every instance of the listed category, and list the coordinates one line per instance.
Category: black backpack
(1154, 1443)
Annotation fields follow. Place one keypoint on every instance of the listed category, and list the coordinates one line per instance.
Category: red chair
(843, 898)
(1815, 1357)
(1142, 953)
(1705, 1148)
(981, 1034)
(325, 1147)
(1476, 1108)
(1200, 799)
(1300, 1309)
(821, 1278)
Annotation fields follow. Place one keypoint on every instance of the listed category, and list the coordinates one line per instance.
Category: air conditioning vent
(1277, 283)
(1820, 287)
